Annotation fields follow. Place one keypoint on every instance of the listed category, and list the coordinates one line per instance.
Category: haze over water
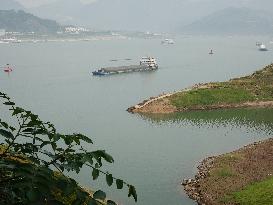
(154, 153)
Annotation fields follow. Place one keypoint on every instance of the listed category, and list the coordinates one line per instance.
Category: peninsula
(255, 90)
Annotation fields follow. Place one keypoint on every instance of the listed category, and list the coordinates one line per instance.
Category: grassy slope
(256, 194)
(256, 87)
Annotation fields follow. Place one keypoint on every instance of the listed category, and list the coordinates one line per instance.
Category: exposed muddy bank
(250, 164)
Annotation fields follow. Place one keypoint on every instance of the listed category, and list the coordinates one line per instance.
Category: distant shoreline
(60, 39)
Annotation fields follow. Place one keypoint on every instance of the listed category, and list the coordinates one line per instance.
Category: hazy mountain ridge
(105, 14)
(20, 21)
(10, 4)
(142, 15)
(233, 21)
(151, 15)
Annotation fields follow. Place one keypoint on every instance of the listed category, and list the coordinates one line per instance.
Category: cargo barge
(145, 64)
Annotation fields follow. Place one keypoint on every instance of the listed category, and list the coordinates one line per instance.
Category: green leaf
(33, 123)
(12, 128)
(62, 183)
(108, 157)
(95, 174)
(17, 110)
(9, 103)
(43, 188)
(4, 124)
(110, 202)
(99, 195)
(55, 202)
(56, 137)
(34, 118)
(40, 131)
(24, 169)
(119, 183)
(69, 189)
(109, 179)
(6, 134)
(92, 202)
(28, 130)
(77, 202)
(104, 155)
(53, 145)
(84, 138)
(33, 195)
(68, 140)
(81, 197)
(132, 192)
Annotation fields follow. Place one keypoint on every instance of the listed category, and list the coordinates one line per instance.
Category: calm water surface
(152, 152)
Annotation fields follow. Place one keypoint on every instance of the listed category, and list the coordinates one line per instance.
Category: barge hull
(130, 68)
(123, 69)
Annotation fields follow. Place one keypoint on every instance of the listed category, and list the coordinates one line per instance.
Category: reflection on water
(253, 119)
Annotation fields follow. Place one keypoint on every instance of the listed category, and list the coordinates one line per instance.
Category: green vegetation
(230, 158)
(256, 87)
(34, 158)
(204, 97)
(224, 172)
(259, 193)
(256, 194)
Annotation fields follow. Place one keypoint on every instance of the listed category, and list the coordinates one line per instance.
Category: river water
(154, 153)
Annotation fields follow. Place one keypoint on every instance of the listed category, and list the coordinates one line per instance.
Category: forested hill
(20, 21)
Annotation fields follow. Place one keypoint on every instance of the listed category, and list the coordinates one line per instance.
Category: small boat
(211, 52)
(99, 72)
(167, 41)
(262, 47)
(8, 69)
(145, 64)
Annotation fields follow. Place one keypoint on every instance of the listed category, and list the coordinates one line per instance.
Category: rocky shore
(221, 176)
(191, 186)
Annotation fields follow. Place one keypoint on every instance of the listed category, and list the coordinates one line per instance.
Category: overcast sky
(258, 3)
(153, 15)
(34, 3)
